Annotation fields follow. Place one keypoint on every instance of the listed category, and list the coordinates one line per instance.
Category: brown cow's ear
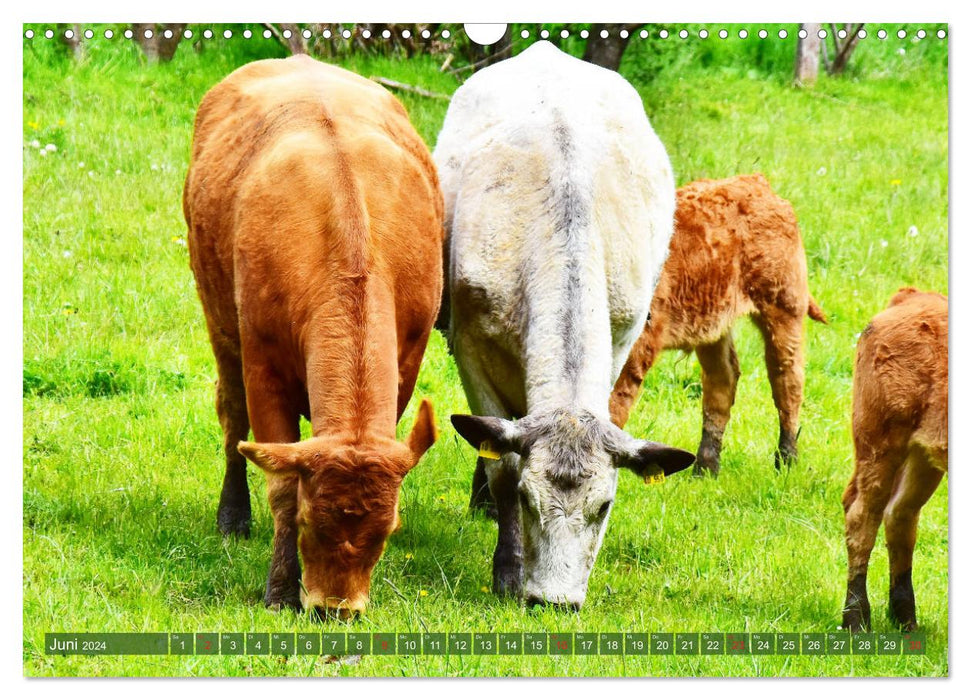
(424, 432)
(274, 457)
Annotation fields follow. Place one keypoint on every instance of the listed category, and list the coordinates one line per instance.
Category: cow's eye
(602, 513)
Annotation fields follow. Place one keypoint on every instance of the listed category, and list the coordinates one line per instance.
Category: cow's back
(554, 184)
(303, 176)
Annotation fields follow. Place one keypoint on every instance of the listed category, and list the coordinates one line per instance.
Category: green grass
(122, 465)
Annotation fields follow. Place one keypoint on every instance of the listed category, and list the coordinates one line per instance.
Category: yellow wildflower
(895, 183)
(423, 593)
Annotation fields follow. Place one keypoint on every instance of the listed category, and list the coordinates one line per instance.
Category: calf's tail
(815, 312)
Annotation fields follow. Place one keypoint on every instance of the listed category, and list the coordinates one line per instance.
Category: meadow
(122, 460)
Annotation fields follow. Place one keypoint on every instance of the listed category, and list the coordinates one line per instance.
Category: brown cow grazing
(736, 251)
(900, 439)
(315, 236)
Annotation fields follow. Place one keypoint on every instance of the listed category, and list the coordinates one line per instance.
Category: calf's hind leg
(864, 502)
(719, 378)
(916, 483)
(234, 514)
(782, 333)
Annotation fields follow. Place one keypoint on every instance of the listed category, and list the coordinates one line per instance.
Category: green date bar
(106, 643)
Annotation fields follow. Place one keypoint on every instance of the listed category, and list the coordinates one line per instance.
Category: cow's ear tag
(654, 479)
(488, 451)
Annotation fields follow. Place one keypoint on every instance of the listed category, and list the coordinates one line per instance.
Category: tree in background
(152, 38)
(807, 54)
(810, 49)
(606, 44)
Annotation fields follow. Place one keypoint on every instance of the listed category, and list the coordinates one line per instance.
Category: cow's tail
(816, 312)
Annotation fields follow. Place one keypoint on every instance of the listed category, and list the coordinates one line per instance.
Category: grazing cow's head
(347, 506)
(567, 470)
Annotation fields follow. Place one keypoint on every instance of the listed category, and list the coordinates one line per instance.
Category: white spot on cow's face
(564, 509)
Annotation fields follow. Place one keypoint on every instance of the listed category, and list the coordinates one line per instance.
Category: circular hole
(703, 33)
(346, 33)
(88, 34)
(663, 33)
(821, 34)
(425, 34)
(723, 34)
(406, 33)
(386, 34)
(227, 34)
(882, 34)
(901, 34)
(29, 34)
(921, 33)
(861, 33)
(366, 34)
(604, 33)
(803, 33)
(584, 33)
(207, 34)
(187, 33)
(742, 34)
(307, 34)
(545, 34)
(624, 34)
(683, 34)
(941, 34)
(109, 33)
(643, 34)
(841, 33)
(327, 34)
(247, 33)
(267, 33)
(783, 34)
(524, 34)
(167, 33)
(446, 34)
(69, 34)
(129, 33)
(287, 34)
(564, 34)
(763, 34)
(149, 33)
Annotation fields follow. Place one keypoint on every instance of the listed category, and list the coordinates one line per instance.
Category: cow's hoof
(277, 604)
(787, 453)
(234, 521)
(856, 618)
(703, 469)
(507, 581)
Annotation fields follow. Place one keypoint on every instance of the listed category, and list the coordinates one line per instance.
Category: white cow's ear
(646, 458)
(488, 433)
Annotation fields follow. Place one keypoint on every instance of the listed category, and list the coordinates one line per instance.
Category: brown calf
(736, 251)
(315, 237)
(900, 439)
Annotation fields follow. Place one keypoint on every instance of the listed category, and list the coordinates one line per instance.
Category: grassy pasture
(122, 459)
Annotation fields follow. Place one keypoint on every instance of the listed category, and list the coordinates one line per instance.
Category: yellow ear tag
(653, 479)
(486, 450)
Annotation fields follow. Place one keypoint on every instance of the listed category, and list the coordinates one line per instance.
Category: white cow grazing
(559, 204)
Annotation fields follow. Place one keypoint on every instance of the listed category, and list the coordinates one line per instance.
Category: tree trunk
(844, 48)
(74, 43)
(607, 51)
(158, 47)
(807, 55)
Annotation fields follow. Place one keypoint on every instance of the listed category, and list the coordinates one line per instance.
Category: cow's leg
(481, 498)
(274, 420)
(916, 483)
(782, 333)
(507, 560)
(233, 516)
(627, 388)
(719, 378)
(864, 501)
